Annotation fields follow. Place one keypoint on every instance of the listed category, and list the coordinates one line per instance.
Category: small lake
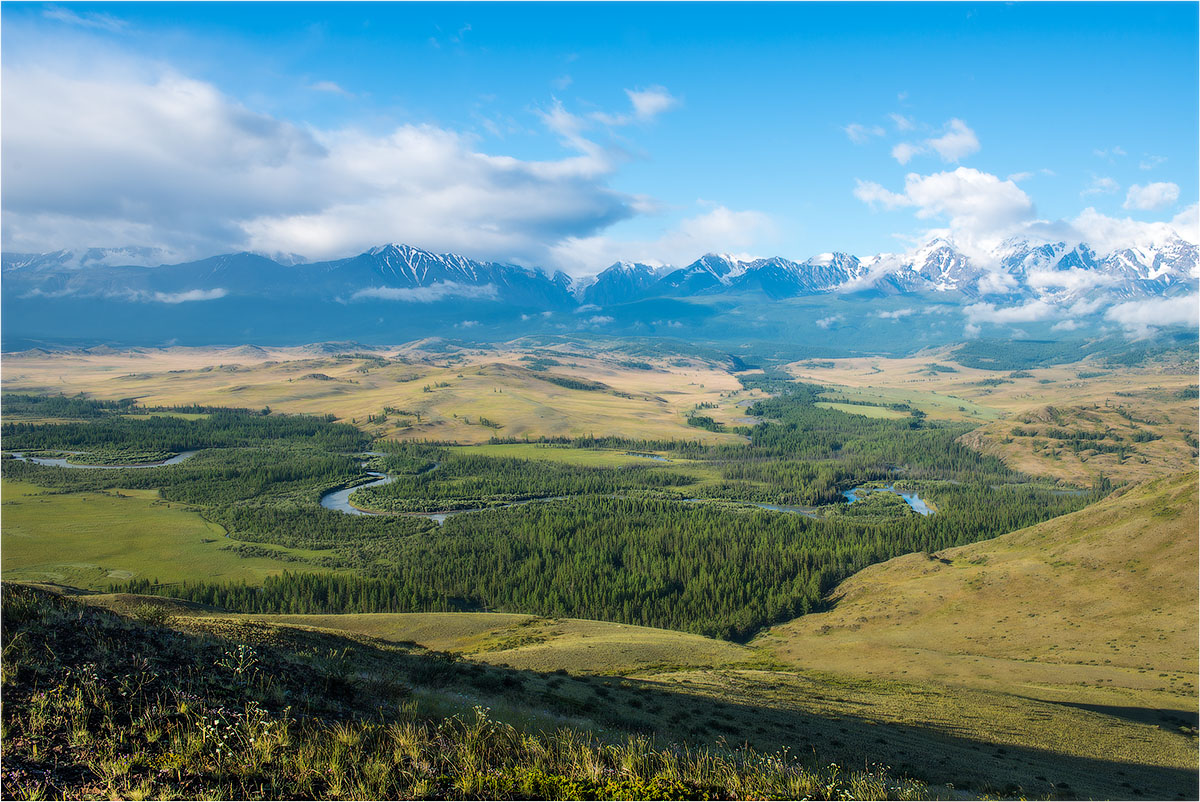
(912, 499)
(61, 462)
(644, 455)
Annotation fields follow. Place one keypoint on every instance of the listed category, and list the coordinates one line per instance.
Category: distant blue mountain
(394, 288)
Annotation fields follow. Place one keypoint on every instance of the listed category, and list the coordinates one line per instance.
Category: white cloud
(1072, 281)
(871, 193)
(1150, 162)
(329, 86)
(424, 295)
(1109, 153)
(1065, 325)
(977, 204)
(132, 154)
(902, 123)
(830, 322)
(905, 151)
(719, 229)
(860, 134)
(649, 103)
(1152, 196)
(957, 143)
(1101, 185)
(1018, 177)
(1026, 313)
(1140, 318)
(1106, 234)
(897, 314)
(599, 320)
(190, 295)
(104, 22)
(1187, 223)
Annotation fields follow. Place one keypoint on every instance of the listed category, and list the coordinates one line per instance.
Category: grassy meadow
(93, 539)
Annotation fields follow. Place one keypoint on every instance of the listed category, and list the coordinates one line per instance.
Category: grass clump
(100, 705)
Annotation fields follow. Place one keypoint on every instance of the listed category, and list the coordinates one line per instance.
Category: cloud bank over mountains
(132, 153)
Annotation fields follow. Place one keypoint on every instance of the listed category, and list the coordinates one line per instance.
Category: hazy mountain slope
(1098, 608)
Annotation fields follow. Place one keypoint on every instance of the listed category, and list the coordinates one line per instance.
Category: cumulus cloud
(975, 203)
(599, 320)
(897, 314)
(956, 143)
(424, 295)
(830, 322)
(140, 155)
(1157, 195)
(1141, 318)
(1106, 234)
(905, 151)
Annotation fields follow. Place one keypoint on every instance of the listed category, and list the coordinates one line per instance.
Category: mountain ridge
(1019, 269)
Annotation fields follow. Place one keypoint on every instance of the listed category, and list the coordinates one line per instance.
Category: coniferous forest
(676, 544)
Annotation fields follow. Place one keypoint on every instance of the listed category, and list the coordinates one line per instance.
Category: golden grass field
(1098, 607)
(1154, 394)
(463, 387)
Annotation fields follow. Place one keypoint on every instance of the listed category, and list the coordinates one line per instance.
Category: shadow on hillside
(936, 756)
(372, 675)
(1166, 718)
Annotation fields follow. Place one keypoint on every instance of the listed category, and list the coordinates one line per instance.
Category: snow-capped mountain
(618, 283)
(87, 257)
(1016, 269)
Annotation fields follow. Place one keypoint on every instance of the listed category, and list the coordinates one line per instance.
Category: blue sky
(570, 135)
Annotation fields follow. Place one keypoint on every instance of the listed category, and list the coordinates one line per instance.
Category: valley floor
(1056, 661)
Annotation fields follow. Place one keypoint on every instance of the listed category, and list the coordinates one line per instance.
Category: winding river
(60, 462)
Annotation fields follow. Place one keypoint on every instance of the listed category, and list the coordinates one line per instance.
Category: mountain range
(1016, 269)
(394, 290)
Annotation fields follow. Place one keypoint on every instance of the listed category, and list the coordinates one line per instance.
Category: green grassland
(943, 406)
(863, 409)
(593, 457)
(93, 539)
